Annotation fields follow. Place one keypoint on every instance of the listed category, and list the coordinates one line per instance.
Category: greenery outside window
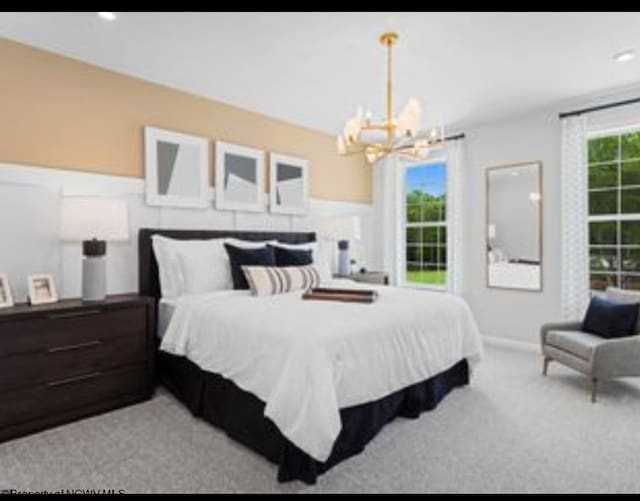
(614, 210)
(426, 225)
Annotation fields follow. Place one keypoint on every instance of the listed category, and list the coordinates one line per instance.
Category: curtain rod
(598, 108)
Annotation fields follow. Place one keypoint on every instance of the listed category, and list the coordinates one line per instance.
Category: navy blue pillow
(239, 257)
(293, 257)
(610, 320)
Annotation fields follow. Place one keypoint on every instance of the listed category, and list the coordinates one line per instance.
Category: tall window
(426, 224)
(614, 210)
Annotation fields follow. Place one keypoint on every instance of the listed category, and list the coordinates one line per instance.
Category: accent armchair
(597, 357)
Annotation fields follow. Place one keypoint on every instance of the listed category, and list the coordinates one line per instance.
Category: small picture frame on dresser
(6, 299)
(42, 289)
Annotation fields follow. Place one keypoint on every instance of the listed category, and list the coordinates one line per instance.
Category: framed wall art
(289, 184)
(176, 169)
(239, 178)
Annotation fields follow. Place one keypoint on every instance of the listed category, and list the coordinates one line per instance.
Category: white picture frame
(6, 298)
(176, 169)
(290, 195)
(240, 178)
(42, 289)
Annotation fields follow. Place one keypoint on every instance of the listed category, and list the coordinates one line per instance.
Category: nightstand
(71, 359)
(370, 277)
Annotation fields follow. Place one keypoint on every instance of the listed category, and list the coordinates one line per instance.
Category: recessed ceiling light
(625, 55)
(108, 16)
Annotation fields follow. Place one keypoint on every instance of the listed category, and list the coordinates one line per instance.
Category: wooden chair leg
(594, 388)
(545, 365)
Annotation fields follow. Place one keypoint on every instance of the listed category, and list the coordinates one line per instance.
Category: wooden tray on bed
(343, 295)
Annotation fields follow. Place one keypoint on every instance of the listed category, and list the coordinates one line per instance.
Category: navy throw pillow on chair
(291, 257)
(239, 257)
(610, 320)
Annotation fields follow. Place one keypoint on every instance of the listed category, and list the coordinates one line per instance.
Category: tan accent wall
(61, 113)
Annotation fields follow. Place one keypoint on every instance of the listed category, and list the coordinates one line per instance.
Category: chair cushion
(624, 296)
(578, 343)
(610, 319)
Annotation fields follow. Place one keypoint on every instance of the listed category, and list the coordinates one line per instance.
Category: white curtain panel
(455, 231)
(388, 191)
(575, 230)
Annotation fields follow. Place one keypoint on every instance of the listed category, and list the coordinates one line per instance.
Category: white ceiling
(314, 68)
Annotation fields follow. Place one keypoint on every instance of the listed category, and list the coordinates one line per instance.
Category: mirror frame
(488, 171)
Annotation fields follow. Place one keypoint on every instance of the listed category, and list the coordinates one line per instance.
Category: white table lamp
(94, 221)
(343, 229)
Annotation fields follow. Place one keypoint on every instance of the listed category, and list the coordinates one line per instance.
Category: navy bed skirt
(240, 414)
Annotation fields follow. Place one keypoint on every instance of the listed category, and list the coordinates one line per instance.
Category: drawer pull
(74, 314)
(70, 380)
(78, 346)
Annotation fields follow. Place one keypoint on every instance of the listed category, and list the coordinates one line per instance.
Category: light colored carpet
(510, 431)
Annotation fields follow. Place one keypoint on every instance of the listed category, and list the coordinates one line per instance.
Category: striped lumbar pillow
(269, 280)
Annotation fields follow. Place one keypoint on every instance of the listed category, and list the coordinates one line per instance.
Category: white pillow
(319, 256)
(205, 266)
(168, 267)
(191, 266)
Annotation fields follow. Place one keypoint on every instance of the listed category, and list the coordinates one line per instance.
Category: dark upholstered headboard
(148, 278)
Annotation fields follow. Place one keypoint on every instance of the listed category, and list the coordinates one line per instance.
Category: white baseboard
(503, 342)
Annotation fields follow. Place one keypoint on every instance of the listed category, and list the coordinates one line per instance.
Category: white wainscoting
(30, 211)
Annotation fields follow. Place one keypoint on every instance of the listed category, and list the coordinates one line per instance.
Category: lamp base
(344, 263)
(94, 278)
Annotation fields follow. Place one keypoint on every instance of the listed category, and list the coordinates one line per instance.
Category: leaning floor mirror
(514, 226)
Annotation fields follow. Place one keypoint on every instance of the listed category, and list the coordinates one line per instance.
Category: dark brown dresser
(64, 361)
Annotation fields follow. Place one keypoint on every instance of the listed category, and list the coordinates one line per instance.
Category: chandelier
(377, 139)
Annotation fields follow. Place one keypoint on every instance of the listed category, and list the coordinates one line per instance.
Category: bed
(307, 384)
(514, 274)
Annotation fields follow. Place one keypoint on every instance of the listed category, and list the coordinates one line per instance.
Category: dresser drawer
(30, 369)
(59, 330)
(72, 393)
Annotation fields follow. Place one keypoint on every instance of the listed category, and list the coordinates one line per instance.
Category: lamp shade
(409, 118)
(354, 228)
(86, 218)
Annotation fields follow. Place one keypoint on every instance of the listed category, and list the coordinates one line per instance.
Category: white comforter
(308, 359)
